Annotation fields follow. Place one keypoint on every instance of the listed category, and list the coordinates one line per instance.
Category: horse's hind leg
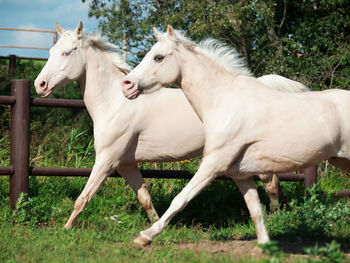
(250, 194)
(133, 177)
(341, 163)
(273, 189)
(99, 173)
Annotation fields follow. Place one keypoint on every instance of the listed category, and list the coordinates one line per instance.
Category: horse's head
(159, 67)
(65, 64)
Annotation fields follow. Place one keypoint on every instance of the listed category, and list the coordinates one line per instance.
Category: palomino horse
(126, 132)
(249, 128)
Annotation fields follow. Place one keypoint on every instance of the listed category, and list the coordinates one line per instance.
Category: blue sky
(39, 14)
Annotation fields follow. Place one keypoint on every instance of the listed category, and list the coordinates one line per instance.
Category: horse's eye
(67, 53)
(158, 58)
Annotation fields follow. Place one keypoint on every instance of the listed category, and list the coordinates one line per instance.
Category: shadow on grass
(220, 204)
(298, 247)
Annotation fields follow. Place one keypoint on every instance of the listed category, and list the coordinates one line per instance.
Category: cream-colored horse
(128, 132)
(249, 128)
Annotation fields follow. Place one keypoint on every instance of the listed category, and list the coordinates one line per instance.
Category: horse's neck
(200, 79)
(102, 83)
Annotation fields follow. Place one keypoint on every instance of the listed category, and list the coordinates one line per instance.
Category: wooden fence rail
(53, 32)
(19, 169)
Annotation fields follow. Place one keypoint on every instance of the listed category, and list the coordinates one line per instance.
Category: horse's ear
(59, 29)
(157, 34)
(79, 30)
(171, 32)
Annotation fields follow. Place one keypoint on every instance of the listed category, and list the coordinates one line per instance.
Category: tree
(303, 40)
(122, 22)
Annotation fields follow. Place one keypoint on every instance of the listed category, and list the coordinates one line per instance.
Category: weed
(221, 234)
(271, 248)
(318, 215)
(4, 151)
(330, 253)
(78, 155)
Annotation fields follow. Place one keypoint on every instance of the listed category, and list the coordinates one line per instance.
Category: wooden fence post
(310, 176)
(12, 65)
(19, 180)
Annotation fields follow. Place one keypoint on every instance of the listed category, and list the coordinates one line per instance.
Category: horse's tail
(280, 83)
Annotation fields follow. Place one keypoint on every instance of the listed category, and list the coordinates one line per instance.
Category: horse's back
(281, 83)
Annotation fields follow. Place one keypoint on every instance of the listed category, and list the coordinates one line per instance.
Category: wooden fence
(53, 32)
(19, 169)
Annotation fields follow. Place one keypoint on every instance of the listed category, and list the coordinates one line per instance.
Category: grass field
(214, 227)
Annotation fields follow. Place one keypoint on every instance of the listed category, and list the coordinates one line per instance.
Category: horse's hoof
(142, 241)
(68, 226)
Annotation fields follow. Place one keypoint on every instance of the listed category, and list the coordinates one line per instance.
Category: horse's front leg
(206, 173)
(100, 171)
(133, 177)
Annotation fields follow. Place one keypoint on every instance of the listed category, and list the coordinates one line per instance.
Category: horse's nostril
(127, 83)
(42, 84)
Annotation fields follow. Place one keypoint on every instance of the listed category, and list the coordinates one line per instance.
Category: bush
(318, 215)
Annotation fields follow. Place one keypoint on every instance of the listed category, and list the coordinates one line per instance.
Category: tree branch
(332, 74)
(284, 17)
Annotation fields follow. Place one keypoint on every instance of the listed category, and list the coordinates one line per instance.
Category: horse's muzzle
(130, 88)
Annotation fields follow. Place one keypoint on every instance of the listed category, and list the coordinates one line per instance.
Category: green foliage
(318, 215)
(332, 178)
(330, 253)
(221, 234)
(61, 146)
(302, 40)
(79, 154)
(221, 204)
(271, 248)
(4, 151)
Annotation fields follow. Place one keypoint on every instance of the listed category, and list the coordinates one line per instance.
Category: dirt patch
(244, 248)
(234, 247)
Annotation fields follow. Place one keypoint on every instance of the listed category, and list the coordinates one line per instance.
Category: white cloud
(69, 14)
(39, 14)
(32, 39)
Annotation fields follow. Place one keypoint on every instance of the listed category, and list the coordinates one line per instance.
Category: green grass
(106, 228)
(86, 245)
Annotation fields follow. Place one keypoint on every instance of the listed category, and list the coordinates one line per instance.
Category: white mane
(225, 56)
(112, 51)
(219, 52)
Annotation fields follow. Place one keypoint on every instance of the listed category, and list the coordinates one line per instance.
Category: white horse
(249, 128)
(127, 132)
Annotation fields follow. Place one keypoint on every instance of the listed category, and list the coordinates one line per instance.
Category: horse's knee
(144, 197)
(179, 203)
(146, 202)
(80, 203)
